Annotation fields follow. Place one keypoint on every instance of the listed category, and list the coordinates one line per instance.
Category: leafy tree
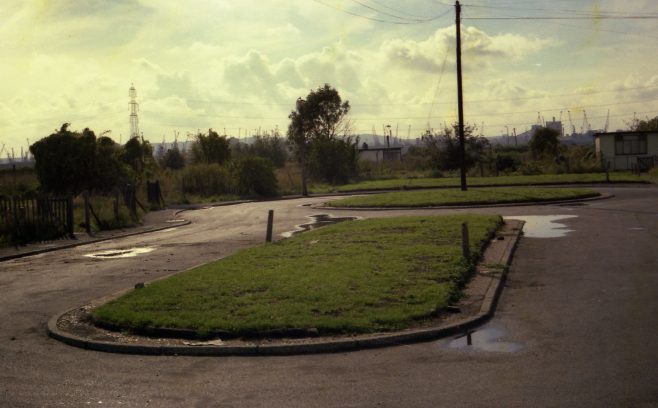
(271, 147)
(444, 148)
(71, 162)
(333, 160)
(322, 115)
(268, 146)
(173, 158)
(545, 141)
(255, 176)
(137, 153)
(644, 125)
(210, 148)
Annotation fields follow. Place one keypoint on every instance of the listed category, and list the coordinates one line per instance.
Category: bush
(255, 176)
(333, 160)
(206, 180)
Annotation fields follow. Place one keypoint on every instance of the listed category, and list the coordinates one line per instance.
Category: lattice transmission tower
(134, 107)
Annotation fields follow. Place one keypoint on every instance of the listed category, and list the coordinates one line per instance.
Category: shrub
(255, 176)
(206, 180)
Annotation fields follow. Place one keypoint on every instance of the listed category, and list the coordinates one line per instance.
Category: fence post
(466, 250)
(270, 221)
(607, 172)
(69, 216)
(87, 220)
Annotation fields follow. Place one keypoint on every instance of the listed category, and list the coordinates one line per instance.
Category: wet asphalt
(575, 326)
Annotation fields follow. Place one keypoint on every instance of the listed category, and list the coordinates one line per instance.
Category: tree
(68, 162)
(137, 153)
(545, 141)
(644, 125)
(322, 115)
(444, 148)
(173, 158)
(210, 148)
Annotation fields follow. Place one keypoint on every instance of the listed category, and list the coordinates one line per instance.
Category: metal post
(460, 100)
(466, 250)
(270, 222)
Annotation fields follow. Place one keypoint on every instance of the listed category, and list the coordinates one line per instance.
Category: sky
(239, 66)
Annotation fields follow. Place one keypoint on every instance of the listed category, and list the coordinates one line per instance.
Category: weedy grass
(352, 277)
(473, 196)
(542, 179)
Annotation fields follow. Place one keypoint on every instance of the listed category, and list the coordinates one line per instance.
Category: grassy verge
(474, 196)
(352, 277)
(544, 179)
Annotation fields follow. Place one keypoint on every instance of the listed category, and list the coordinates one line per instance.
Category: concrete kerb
(494, 288)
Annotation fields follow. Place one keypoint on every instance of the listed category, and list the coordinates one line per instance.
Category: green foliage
(19, 182)
(255, 176)
(206, 180)
(544, 142)
(71, 162)
(644, 125)
(173, 158)
(271, 147)
(333, 160)
(444, 148)
(322, 115)
(506, 163)
(352, 277)
(210, 148)
(137, 153)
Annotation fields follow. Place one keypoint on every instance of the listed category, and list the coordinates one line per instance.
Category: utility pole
(460, 100)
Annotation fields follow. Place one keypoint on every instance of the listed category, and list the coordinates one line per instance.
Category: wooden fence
(32, 219)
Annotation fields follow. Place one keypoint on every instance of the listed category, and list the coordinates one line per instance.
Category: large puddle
(319, 220)
(120, 253)
(490, 338)
(543, 226)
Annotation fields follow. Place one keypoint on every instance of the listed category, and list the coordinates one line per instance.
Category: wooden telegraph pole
(460, 101)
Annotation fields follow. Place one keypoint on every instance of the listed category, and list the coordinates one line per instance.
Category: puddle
(543, 226)
(320, 220)
(120, 253)
(489, 338)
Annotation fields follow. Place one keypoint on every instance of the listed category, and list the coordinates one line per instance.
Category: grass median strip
(352, 277)
(473, 196)
(542, 179)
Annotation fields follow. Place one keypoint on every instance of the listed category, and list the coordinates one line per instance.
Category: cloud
(428, 55)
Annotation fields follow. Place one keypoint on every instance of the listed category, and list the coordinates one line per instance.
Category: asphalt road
(575, 327)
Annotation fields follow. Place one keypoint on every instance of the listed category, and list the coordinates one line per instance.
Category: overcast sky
(240, 65)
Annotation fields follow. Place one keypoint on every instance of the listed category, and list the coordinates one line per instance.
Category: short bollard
(466, 252)
(270, 221)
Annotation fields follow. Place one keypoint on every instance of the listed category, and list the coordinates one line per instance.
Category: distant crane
(573, 128)
(586, 127)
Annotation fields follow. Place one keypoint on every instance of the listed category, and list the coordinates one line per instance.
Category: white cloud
(428, 55)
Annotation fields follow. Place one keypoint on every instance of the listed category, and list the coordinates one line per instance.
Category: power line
(401, 20)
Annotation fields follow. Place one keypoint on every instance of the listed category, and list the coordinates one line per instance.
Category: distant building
(627, 150)
(380, 154)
